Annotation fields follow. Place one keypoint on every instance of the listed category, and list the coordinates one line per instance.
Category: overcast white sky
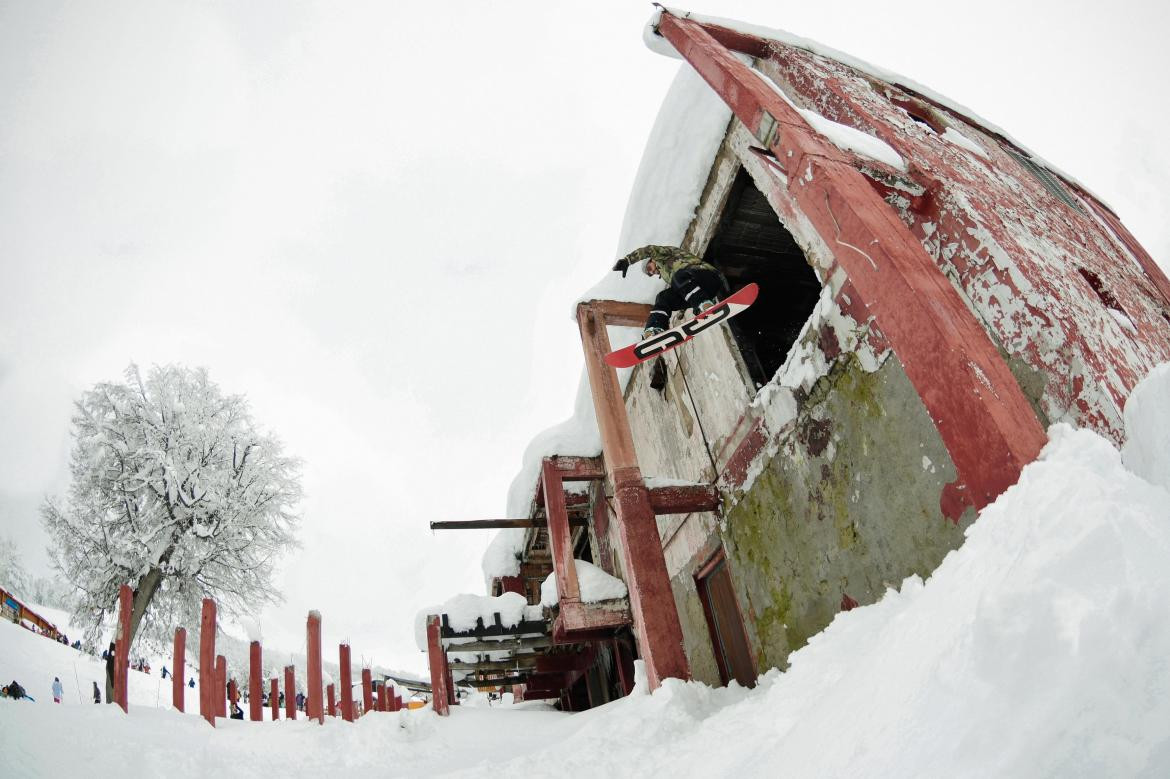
(371, 219)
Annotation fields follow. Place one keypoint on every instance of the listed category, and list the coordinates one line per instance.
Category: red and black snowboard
(676, 336)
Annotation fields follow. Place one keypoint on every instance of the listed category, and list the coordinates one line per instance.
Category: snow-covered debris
(1147, 424)
(464, 610)
(595, 585)
(962, 141)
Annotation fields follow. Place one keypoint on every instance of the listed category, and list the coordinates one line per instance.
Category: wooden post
(290, 693)
(397, 703)
(233, 693)
(438, 662)
(652, 604)
(367, 691)
(122, 647)
(380, 698)
(313, 705)
(255, 669)
(207, 662)
(332, 701)
(346, 684)
(178, 689)
(274, 698)
(220, 686)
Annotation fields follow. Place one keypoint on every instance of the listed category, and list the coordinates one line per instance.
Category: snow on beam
(619, 314)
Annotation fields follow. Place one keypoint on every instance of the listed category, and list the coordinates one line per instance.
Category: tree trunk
(147, 587)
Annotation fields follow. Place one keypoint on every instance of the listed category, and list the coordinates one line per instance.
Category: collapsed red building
(933, 297)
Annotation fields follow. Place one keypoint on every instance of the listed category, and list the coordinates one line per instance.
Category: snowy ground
(1040, 648)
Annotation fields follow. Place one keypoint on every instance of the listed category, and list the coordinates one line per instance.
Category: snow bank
(595, 585)
(1147, 424)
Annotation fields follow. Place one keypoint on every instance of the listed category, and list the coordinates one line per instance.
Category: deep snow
(1041, 647)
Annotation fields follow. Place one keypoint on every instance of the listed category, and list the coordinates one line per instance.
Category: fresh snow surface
(1147, 424)
(963, 142)
(1036, 649)
(594, 584)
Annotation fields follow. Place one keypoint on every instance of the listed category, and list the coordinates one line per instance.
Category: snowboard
(676, 336)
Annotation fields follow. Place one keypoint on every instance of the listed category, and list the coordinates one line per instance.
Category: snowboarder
(237, 712)
(97, 693)
(693, 283)
(110, 673)
(58, 690)
(191, 682)
(165, 673)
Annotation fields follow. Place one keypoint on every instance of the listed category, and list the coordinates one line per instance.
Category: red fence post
(122, 648)
(290, 693)
(207, 662)
(438, 663)
(233, 693)
(220, 686)
(178, 690)
(346, 684)
(313, 707)
(332, 701)
(274, 699)
(367, 691)
(397, 703)
(255, 669)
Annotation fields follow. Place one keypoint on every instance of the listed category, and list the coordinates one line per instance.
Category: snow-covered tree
(12, 574)
(176, 493)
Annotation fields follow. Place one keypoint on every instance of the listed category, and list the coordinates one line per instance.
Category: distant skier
(58, 690)
(191, 682)
(165, 673)
(97, 693)
(693, 283)
(110, 673)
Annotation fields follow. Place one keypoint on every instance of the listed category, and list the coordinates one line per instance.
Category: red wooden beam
(207, 662)
(397, 703)
(685, 499)
(290, 693)
(367, 692)
(313, 704)
(332, 699)
(346, 683)
(978, 408)
(122, 648)
(233, 693)
(220, 698)
(255, 670)
(437, 659)
(655, 615)
(274, 698)
(559, 534)
(178, 689)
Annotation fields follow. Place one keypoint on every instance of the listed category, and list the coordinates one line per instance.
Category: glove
(623, 265)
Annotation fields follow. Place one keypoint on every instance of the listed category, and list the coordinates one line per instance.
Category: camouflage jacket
(669, 259)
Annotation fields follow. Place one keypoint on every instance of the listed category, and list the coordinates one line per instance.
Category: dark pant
(688, 288)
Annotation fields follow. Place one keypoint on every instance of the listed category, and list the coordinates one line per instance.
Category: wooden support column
(313, 704)
(367, 691)
(559, 534)
(255, 669)
(346, 683)
(233, 695)
(977, 406)
(122, 648)
(397, 703)
(438, 662)
(207, 662)
(332, 699)
(652, 605)
(220, 686)
(290, 693)
(178, 688)
(381, 702)
(274, 698)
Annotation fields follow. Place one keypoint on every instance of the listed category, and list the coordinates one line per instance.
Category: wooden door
(728, 638)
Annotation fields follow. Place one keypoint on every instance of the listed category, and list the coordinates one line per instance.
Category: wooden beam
(560, 538)
(493, 665)
(487, 524)
(620, 314)
(503, 681)
(685, 499)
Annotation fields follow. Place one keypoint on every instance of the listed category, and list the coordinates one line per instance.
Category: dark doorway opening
(728, 638)
(750, 244)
